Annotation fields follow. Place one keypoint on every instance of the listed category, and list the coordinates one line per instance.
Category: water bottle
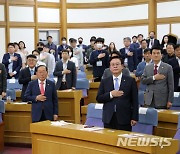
(8, 99)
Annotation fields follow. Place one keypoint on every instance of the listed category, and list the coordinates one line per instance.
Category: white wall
(23, 34)
(21, 14)
(89, 1)
(1, 12)
(49, 1)
(2, 43)
(168, 9)
(48, 15)
(107, 14)
(175, 29)
(162, 30)
(110, 34)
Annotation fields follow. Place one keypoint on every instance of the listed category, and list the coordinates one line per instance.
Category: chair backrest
(13, 84)
(94, 116)
(148, 118)
(176, 102)
(11, 93)
(82, 84)
(2, 106)
(141, 97)
(0, 118)
(81, 75)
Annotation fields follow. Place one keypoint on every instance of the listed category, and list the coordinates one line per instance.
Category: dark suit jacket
(156, 42)
(53, 47)
(139, 55)
(132, 60)
(176, 71)
(16, 64)
(99, 70)
(24, 78)
(166, 58)
(126, 105)
(50, 105)
(61, 48)
(70, 78)
(3, 78)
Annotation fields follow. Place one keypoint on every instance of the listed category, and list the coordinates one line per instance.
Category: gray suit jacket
(162, 91)
(70, 78)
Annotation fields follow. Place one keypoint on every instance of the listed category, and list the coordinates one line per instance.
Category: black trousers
(114, 124)
(43, 117)
(63, 86)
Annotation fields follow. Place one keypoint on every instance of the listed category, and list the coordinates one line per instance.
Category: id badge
(99, 63)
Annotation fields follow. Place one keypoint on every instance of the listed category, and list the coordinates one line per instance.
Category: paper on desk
(92, 129)
(12, 80)
(160, 110)
(59, 123)
(20, 103)
(176, 94)
(142, 110)
(98, 106)
(131, 135)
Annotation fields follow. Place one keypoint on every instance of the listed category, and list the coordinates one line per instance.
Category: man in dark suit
(52, 47)
(120, 97)
(3, 80)
(129, 55)
(140, 51)
(65, 70)
(63, 46)
(12, 62)
(175, 63)
(43, 94)
(170, 53)
(135, 45)
(152, 41)
(28, 74)
(99, 59)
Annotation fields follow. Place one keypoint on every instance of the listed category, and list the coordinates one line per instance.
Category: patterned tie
(116, 86)
(155, 70)
(42, 88)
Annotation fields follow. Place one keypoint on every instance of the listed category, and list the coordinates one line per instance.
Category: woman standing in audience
(164, 43)
(22, 47)
(3, 80)
(111, 48)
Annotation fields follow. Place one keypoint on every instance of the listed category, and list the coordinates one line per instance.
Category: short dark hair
(147, 50)
(140, 35)
(11, 44)
(116, 57)
(134, 37)
(143, 40)
(49, 37)
(80, 38)
(156, 48)
(63, 38)
(65, 50)
(40, 44)
(71, 40)
(23, 43)
(116, 52)
(41, 66)
(36, 51)
(99, 39)
(172, 44)
(15, 43)
(93, 38)
(152, 32)
(176, 46)
(31, 56)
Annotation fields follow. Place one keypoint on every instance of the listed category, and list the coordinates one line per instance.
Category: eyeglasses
(115, 64)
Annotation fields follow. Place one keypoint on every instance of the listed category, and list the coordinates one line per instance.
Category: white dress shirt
(64, 67)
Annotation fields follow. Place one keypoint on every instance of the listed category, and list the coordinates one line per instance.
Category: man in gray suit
(65, 70)
(158, 77)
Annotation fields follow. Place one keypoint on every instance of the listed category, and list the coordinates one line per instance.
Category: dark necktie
(155, 70)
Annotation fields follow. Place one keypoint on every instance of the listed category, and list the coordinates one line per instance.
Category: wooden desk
(18, 116)
(92, 93)
(1, 137)
(167, 123)
(70, 139)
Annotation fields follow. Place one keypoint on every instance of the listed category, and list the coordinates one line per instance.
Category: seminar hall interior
(89, 76)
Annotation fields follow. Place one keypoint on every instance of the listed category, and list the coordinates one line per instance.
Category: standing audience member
(28, 74)
(152, 41)
(84, 49)
(99, 59)
(175, 63)
(158, 77)
(111, 48)
(65, 70)
(164, 43)
(170, 53)
(37, 54)
(3, 80)
(12, 62)
(119, 94)
(52, 47)
(43, 95)
(63, 46)
(22, 47)
(135, 45)
(140, 51)
(129, 55)
(140, 37)
(90, 47)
